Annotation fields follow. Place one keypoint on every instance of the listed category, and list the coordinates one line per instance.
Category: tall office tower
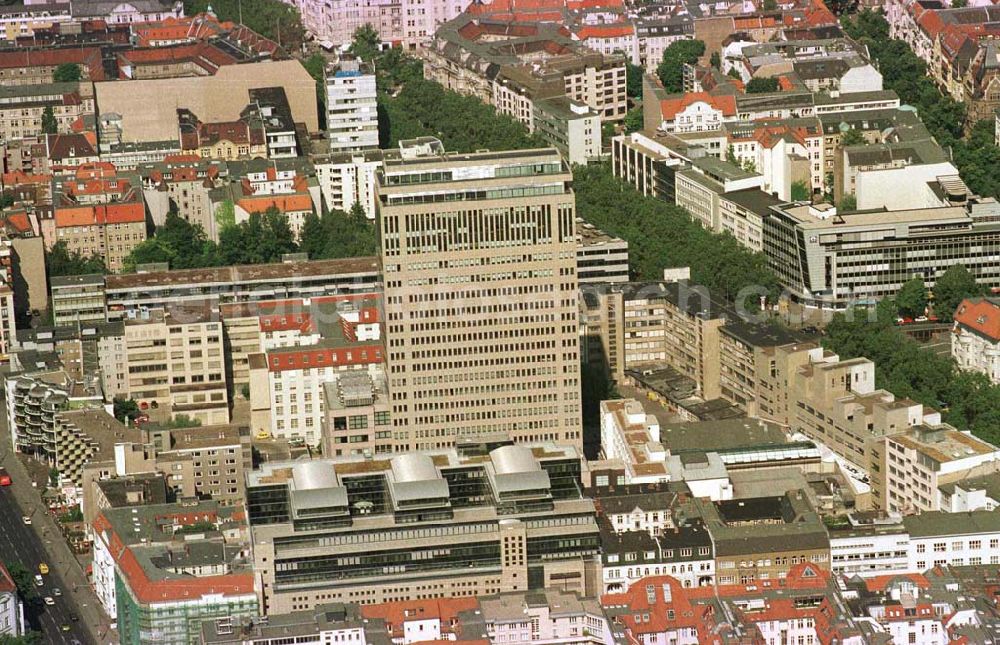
(351, 112)
(478, 256)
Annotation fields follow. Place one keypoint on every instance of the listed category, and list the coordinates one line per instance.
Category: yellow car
(262, 435)
(43, 568)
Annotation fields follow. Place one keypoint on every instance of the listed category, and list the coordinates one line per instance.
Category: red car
(4, 477)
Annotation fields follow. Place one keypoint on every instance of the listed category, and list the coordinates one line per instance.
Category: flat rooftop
(245, 273)
(589, 235)
(720, 435)
(943, 443)
(808, 217)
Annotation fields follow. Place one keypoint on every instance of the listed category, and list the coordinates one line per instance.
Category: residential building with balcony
(351, 115)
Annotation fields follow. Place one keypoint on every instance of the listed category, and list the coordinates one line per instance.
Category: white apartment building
(346, 179)
(870, 551)
(11, 608)
(908, 468)
(545, 617)
(975, 343)
(286, 386)
(630, 435)
(953, 539)
(351, 112)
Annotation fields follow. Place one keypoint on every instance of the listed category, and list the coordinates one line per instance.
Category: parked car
(27, 520)
(49, 601)
(43, 568)
(39, 581)
(57, 592)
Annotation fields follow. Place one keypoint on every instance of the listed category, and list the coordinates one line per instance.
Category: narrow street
(43, 542)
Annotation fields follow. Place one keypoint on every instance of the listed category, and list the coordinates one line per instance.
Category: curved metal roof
(509, 460)
(313, 475)
(413, 467)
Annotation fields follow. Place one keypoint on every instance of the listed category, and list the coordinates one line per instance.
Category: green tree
(762, 85)
(225, 214)
(73, 515)
(53, 477)
(23, 580)
(6, 200)
(178, 242)
(423, 108)
(66, 73)
(31, 638)
(59, 260)
(272, 19)
(263, 237)
(339, 235)
(715, 60)
(633, 80)
(848, 204)
(851, 137)
(675, 56)
(911, 300)
(365, 44)
(662, 235)
(953, 286)
(49, 123)
(905, 369)
(125, 410)
(770, 5)
(316, 66)
(959, 4)
(733, 74)
(182, 421)
(800, 191)
(633, 120)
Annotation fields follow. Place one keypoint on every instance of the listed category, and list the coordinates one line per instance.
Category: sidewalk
(44, 525)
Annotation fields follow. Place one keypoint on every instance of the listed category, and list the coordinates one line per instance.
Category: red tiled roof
(300, 358)
(19, 222)
(669, 108)
(6, 582)
(302, 322)
(88, 57)
(284, 203)
(154, 591)
(100, 215)
(980, 315)
(19, 177)
(397, 614)
(614, 30)
(880, 583)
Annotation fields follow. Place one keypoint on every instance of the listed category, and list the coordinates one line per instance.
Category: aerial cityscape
(500, 322)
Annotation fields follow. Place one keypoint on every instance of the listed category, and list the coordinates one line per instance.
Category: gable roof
(980, 315)
(671, 107)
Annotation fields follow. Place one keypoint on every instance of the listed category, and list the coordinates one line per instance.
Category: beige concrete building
(479, 263)
(469, 521)
(742, 349)
(908, 468)
(357, 408)
(175, 364)
(84, 436)
(213, 98)
(638, 325)
(216, 456)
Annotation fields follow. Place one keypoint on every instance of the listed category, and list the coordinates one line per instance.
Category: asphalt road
(20, 543)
